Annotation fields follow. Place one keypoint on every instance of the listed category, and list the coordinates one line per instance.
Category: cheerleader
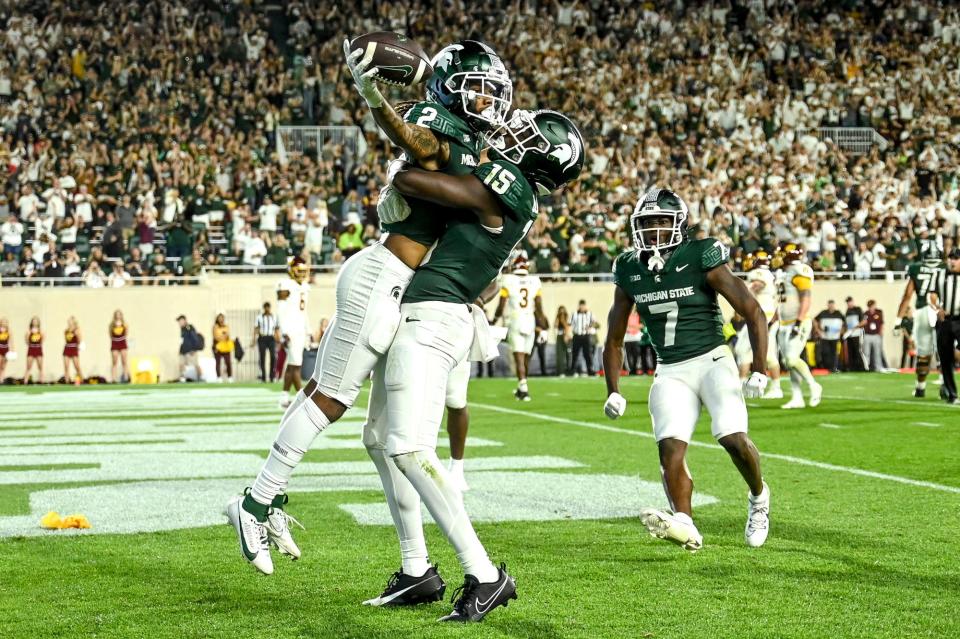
(4, 345)
(34, 350)
(71, 351)
(222, 346)
(118, 347)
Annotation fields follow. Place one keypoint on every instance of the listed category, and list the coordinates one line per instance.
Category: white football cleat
(774, 392)
(816, 394)
(758, 518)
(795, 402)
(252, 535)
(675, 528)
(278, 528)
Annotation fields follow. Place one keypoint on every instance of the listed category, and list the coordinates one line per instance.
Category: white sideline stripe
(906, 402)
(836, 426)
(787, 458)
(927, 424)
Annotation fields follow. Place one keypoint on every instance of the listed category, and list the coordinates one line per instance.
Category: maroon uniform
(118, 337)
(71, 346)
(4, 343)
(35, 345)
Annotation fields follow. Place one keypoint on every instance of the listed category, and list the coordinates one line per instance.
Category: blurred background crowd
(149, 149)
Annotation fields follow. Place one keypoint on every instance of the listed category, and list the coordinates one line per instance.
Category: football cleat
(919, 392)
(665, 525)
(278, 528)
(523, 396)
(473, 600)
(404, 590)
(252, 534)
(774, 392)
(816, 394)
(758, 518)
(795, 402)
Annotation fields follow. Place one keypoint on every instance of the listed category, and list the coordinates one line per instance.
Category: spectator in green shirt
(350, 240)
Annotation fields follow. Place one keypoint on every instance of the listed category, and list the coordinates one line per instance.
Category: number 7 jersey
(677, 305)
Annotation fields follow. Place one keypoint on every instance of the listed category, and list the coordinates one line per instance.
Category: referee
(584, 328)
(947, 289)
(264, 335)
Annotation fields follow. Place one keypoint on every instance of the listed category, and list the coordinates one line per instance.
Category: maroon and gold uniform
(4, 343)
(35, 344)
(118, 337)
(71, 346)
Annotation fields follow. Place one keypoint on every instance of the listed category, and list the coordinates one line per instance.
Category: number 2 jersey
(469, 255)
(427, 221)
(678, 307)
(521, 292)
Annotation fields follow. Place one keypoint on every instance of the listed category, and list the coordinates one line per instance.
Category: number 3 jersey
(678, 307)
(469, 255)
(292, 312)
(520, 291)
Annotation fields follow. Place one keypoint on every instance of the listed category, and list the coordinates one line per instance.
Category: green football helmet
(465, 71)
(545, 145)
(671, 230)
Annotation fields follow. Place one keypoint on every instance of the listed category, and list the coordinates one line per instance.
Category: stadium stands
(161, 135)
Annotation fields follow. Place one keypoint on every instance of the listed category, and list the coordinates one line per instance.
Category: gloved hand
(897, 327)
(391, 206)
(615, 406)
(754, 386)
(363, 78)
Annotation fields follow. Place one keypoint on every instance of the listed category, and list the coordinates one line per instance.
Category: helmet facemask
(515, 138)
(495, 87)
(662, 236)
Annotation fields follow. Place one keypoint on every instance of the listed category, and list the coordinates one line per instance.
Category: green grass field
(865, 503)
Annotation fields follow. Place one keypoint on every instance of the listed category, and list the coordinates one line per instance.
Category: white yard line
(926, 424)
(834, 426)
(787, 458)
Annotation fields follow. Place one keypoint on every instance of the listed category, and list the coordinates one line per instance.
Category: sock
(456, 466)
(284, 396)
(255, 508)
(297, 433)
(684, 518)
(445, 503)
(522, 386)
(796, 381)
(921, 385)
(404, 503)
(804, 371)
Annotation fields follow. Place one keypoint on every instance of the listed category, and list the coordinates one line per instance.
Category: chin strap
(656, 261)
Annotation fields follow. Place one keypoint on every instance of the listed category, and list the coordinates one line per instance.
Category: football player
(520, 298)
(920, 278)
(796, 283)
(674, 282)
(292, 294)
(542, 150)
(763, 285)
(468, 93)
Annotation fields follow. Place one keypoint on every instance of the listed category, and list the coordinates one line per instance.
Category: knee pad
(795, 362)
(923, 365)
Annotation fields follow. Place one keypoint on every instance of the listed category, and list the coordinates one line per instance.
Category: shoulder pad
(506, 182)
(437, 118)
(713, 253)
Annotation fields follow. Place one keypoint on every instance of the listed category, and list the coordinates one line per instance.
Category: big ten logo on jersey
(149, 454)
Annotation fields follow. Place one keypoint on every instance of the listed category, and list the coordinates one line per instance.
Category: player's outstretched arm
(617, 320)
(452, 191)
(724, 282)
(419, 143)
(904, 305)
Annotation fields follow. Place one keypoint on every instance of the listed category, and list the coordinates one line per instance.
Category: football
(400, 60)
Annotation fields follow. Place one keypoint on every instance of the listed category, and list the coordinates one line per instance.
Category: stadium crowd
(152, 146)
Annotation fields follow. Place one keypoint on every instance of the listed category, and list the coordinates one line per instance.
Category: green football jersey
(677, 305)
(922, 278)
(469, 256)
(427, 221)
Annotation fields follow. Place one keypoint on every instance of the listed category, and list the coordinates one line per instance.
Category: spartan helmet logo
(444, 59)
(567, 154)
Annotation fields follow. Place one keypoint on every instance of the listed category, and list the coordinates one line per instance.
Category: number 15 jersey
(677, 305)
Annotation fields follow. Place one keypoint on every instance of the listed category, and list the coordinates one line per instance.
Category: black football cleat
(404, 590)
(476, 600)
(919, 392)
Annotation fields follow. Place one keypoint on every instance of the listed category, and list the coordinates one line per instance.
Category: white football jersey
(520, 291)
(292, 312)
(793, 279)
(766, 296)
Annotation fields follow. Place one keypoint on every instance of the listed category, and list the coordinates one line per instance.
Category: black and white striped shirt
(947, 288)
(582, 322)
(266, 324)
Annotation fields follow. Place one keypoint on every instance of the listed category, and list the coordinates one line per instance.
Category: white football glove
(897, 327)
(363, 78)
(391, 206)
(754, 386)
(615, 406)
